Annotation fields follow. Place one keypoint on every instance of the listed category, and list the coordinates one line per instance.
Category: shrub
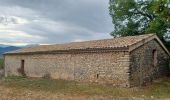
(169, 64)
(21, 71)
(47, 76)
(1, 63)
(168, 68)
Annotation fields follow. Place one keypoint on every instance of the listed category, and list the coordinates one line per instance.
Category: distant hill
(8, 48)
(4, 49)
(2, 45)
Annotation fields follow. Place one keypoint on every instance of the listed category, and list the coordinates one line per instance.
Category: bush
(168, 74)
(169, 65)
(21, 71)
(47, 76)
(1, 63)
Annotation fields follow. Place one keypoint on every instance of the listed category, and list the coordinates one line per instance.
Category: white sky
(53, 21)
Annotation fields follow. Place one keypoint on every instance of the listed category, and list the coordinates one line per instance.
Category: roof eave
(89, 50)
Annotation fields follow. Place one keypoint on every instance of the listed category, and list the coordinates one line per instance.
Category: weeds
(1, 63)
(156, 90)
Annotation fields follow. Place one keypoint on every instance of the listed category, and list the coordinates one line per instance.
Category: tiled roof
(121, 42)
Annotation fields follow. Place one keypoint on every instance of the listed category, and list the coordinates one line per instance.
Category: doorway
(22, 68)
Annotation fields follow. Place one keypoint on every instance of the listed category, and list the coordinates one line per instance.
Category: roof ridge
(150, 35)
(103, 39)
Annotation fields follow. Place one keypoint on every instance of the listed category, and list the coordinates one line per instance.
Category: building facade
(125, 61)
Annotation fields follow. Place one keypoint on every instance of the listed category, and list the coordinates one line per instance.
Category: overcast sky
(53, 21)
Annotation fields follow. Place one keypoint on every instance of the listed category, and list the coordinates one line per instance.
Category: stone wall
(142, 69)
(100, 67)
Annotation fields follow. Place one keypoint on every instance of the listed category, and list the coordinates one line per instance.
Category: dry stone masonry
(125, 62)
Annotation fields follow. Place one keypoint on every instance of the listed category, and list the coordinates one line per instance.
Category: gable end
(138, 44)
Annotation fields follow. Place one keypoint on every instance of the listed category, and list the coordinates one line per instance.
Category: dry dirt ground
(7, 93)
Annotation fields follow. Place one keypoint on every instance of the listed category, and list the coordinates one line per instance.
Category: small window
(97, 76)
(154, 53)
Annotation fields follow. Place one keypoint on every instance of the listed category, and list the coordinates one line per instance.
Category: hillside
(7, 49)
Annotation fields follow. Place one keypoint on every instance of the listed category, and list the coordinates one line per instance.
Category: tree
(135, 17)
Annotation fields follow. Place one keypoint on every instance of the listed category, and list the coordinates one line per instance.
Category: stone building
(126, 61)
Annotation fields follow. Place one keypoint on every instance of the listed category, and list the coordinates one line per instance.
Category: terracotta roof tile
(105, 43)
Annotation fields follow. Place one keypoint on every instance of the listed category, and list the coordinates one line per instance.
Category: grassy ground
(1, 63)
(159, 90)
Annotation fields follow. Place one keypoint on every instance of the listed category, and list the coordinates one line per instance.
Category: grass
(1, 63)
(56, 85)
(159, 90)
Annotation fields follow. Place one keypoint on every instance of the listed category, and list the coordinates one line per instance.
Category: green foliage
(169, 65)
(1, 63)
(167, 44)
(47, 76)
(135, 17)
